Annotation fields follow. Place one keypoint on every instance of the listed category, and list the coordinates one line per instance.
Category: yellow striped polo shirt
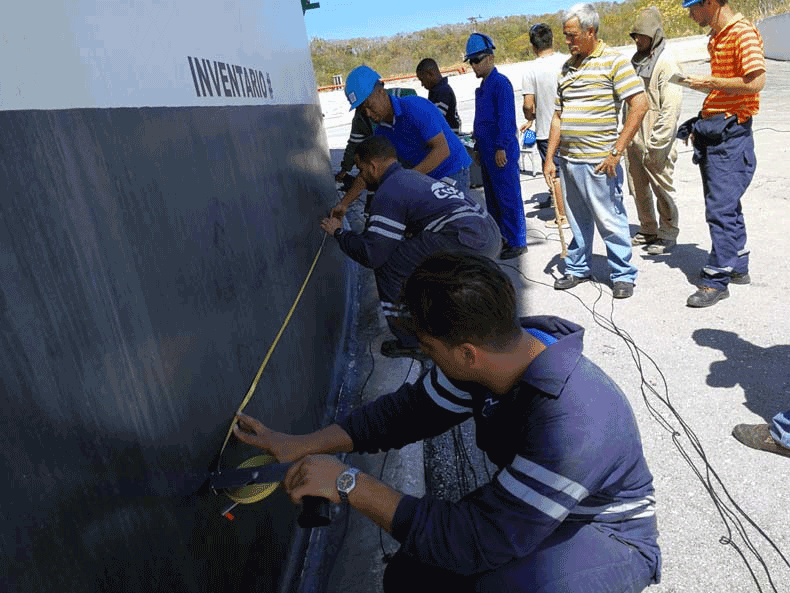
(735, 52)
(589, 98)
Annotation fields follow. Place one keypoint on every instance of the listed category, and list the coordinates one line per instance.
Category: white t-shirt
(540, 80)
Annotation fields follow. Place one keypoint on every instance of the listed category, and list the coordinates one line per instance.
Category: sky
(346, 19)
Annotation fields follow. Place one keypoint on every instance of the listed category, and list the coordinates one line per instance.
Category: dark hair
(375, 147)
(461, 297)
(540, 36)
(427, 65)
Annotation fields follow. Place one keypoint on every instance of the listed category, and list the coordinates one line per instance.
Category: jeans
(596, 200)
(576, 558)
(461, 179)
(780, 428)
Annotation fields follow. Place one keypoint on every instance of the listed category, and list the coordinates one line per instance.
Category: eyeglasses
(476, 61)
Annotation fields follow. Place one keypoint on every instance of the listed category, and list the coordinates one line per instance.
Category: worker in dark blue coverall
(572, 507)
(412, 216)
(496, 143)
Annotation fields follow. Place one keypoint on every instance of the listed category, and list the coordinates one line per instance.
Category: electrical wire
(732, 516)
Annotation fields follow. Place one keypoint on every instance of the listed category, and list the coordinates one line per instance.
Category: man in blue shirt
(572, 506)
(417, 129)
(412, 216)
(496, 144)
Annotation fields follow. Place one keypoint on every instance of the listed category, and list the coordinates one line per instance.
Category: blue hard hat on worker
(359, 84)
(478, 44)
(687, 3)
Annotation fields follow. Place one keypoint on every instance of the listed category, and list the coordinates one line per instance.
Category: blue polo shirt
(416, 121)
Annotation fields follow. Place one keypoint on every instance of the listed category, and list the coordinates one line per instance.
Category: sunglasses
(476, 61)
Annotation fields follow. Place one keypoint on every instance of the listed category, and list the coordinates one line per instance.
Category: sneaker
(511, 252)
(660, 247)
(553, 224)
(644, 239)
(707, 296)
(622, 290)
(744, 278)
(569, 281)
(394, 349)
(758, 436)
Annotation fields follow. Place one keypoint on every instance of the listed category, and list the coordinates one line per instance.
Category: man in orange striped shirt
(723, 143)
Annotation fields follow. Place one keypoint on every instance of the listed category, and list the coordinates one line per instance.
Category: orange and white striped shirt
(735, 52)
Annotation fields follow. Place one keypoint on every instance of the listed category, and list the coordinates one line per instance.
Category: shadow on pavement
(761, 372)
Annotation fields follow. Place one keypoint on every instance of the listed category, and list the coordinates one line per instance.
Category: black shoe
(569, 281)
(744, 278)
(394, 349)
(707, 296)
(622, 290)
(511, 252)
(644, 239)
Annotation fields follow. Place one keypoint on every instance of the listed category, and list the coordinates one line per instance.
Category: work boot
(511, 252)
(758, 436)
(394, 349)
(569, 281)
(622, 290)
(660, 247)
(744, 278)
(707, 296)
(644, 239)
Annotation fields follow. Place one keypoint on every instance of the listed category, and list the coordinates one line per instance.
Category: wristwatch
(346, 482)
(337, 233)
(615, 152)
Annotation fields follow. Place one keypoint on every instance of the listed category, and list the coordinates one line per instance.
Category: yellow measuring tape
(256, 492)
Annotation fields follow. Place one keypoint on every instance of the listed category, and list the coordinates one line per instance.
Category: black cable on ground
(731, 517)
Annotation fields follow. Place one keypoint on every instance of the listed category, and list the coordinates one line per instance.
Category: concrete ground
(690, 374)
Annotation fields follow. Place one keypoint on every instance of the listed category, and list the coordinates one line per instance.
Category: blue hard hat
(359, 84)
(478, 43)
(687, 3)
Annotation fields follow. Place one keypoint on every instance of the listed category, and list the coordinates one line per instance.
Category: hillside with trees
(399, 55)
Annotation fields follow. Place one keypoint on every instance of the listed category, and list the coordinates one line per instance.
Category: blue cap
(478, 43)
(359, 84)
(687, 3)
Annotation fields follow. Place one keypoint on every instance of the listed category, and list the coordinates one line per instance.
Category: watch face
(345, 481)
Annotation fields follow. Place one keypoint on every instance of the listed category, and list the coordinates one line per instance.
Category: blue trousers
(502, 187)
(596, 200)
(724, 151)
(576, 558)
(780, 428)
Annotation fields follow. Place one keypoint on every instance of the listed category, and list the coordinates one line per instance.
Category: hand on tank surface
(284, 447)
(315, 475)
(331, 224)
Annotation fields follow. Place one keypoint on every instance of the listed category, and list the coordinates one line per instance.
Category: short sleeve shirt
(589, 98)
(735, 52)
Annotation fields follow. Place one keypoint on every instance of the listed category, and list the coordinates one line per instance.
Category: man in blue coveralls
(572, 507)
(421, 136)
(496, 144)
(412, 216)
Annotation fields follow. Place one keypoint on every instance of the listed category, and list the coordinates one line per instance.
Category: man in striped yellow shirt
(592, 86)
(723, 142)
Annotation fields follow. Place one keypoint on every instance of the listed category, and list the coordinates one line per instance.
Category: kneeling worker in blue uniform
(412, 216)
(496, 144)
(572, 506)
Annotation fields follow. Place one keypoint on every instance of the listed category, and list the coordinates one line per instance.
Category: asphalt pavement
(690, 374)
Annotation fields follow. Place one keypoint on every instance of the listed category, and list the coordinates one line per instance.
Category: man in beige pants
(652, 154)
